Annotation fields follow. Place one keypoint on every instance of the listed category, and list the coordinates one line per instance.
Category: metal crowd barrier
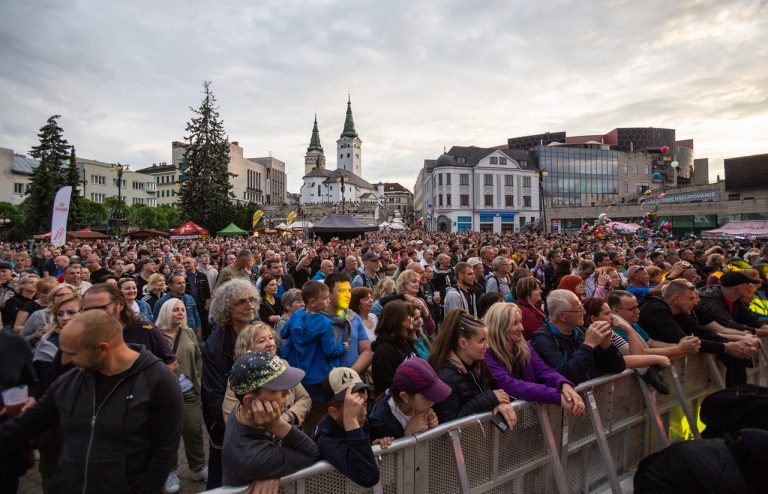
(548, 450)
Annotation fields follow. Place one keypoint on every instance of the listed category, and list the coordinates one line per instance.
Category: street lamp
(543, 207)
(4, 224)
(118, 215)
(340, 179)
(675, 165)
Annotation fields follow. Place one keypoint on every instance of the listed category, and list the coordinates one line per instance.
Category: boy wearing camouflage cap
(259, 443)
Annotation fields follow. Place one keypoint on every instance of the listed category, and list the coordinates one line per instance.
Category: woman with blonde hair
(172, 322)
(383, 288)
(259, 337)
(518, 369)
(154, 289)
(42, 289)
(38, 322)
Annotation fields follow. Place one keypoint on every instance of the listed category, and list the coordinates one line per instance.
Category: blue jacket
(193, 318)
(311, 345)
(145, 311)
(571, 358)
(381, 421)
(349, 452)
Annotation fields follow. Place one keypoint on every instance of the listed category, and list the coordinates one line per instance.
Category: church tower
(315, 158)
(348, 147)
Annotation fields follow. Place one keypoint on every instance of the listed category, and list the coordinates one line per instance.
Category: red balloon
(664, 149)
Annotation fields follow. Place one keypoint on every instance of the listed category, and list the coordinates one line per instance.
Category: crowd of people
(287, 350)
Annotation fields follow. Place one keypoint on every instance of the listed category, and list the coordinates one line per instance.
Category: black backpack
(727, 411)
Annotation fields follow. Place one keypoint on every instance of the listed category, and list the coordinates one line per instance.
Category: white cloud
(423, 75)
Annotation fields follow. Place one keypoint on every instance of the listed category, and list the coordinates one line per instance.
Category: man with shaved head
(120, 413)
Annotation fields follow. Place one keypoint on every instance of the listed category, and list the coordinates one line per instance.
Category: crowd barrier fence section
(548, 450)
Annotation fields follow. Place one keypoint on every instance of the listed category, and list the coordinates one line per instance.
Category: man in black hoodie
(120, 413)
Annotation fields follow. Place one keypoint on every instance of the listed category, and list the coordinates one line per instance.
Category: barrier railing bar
(714, 371)
(515, 474)
(684, 402)
(653, 409)
(549, 437)
(495, 440)
(461, 467)
(602, 442)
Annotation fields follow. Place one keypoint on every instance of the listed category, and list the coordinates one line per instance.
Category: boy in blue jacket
(341, 436)
(311, 343)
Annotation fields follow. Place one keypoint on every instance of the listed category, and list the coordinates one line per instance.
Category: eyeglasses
(243, 301)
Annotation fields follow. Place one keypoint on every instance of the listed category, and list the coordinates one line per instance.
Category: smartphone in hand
(500, 423)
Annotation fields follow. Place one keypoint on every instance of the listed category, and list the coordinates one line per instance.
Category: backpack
(727, 411)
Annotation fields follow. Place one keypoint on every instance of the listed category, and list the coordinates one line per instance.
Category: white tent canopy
(296, 225)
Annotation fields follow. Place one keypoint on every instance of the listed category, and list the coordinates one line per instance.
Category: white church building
(321, 185)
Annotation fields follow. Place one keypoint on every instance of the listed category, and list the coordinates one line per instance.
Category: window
(502, 160)
(439, 179)
(97, 197)
(447, 179)
(509, 180)
(99, 180)
(494, 160)
(464, 179)
(488, 179)
(464, 199)
(440, 200)
(123, 183)
(138, 185)
(626, 168)
(645, 169)
(523, 163)
(509, 200)
(448, 199)
(138, 200)
(489, 199)
(527, 201)
(461, 160)
(527, 182)
(18, 188)
(626, 187)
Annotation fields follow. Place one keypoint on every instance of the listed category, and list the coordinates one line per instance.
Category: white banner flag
(60, 214)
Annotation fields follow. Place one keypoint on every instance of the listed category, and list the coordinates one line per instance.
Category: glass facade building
(578, 176)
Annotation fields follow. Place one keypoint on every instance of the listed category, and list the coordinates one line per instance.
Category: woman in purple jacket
(518, 369)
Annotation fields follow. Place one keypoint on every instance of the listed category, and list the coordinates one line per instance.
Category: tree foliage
(205, 195)
(72, 177)
(49, 176)
(91, 213)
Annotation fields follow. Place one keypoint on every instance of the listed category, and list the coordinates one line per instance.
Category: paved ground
(31, 483)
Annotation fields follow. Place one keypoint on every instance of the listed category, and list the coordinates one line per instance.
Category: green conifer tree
(206, 191)
(49, 176)
(75, 220)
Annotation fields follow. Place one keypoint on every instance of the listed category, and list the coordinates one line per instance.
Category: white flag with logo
(60, 214)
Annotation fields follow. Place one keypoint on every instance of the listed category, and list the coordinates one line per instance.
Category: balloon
(664, 149)
(648, 192)
(602, 216)
(656, 176)
(662, 195)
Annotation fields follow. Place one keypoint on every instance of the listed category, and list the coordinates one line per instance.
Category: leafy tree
(206, 196)
(49, 176)
(91, 213)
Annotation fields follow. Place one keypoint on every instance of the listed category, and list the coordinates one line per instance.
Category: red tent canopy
(190, 228)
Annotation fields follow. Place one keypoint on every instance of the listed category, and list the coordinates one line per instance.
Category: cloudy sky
(422, 74)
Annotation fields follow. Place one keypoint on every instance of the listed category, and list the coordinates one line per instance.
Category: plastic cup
(14, 399)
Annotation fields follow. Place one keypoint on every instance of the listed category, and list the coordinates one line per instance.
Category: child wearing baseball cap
(341, 434)
(259, 443)
(407, 407)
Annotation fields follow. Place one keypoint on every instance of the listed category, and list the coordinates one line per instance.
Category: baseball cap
(639, 248)
(339, 379)
(736, 278)
(266, 370)
(415, 375)
(5, 265)
(370, 256)
(149, 260)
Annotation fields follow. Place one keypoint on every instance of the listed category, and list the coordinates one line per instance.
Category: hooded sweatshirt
(126, 444)
(312, 344)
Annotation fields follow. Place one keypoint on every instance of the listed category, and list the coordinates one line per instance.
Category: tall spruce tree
(73, 179)
(49, 176)
(206, 196)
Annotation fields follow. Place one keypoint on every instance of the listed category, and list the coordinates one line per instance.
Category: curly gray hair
(225, 295)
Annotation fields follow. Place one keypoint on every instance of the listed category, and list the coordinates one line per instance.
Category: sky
(423, 75)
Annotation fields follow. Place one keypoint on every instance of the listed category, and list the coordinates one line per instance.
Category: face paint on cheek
(345, 295)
